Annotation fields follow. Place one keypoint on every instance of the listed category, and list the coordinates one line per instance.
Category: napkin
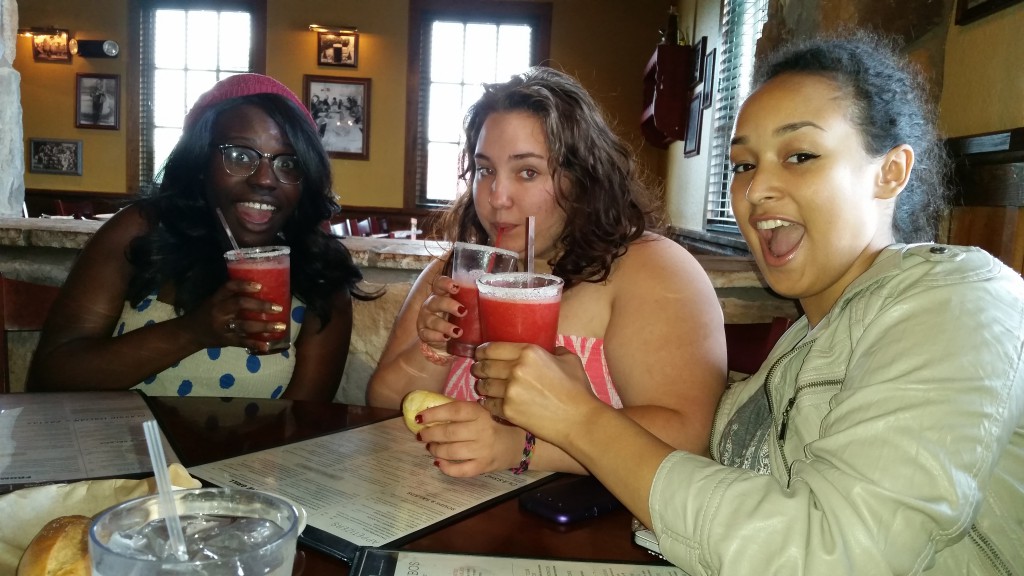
(24, 512)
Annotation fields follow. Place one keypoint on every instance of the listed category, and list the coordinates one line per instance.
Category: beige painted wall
(47, 91)
(983, 86)
(606, 43)
(686, 179)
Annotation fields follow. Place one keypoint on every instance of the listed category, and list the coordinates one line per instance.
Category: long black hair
(184, 244)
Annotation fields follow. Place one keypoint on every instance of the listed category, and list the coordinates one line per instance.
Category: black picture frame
(337, 49)
(691, 146)
(340, 105)
(49, 156)
(700, 49)
(98, 101)
(708, 93)
(968, 11)
(51, 47)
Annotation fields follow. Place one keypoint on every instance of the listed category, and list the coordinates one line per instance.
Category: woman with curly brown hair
(637, 311)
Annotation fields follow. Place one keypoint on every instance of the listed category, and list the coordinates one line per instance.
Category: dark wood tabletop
(203, 430)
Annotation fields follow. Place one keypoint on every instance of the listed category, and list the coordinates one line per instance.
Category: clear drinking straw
(224, 223)
(163, 488)
(530, 224)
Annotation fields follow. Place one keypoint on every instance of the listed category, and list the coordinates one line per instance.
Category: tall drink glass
(469, 262)
(228, 531)
(270, 266)
(520, 307)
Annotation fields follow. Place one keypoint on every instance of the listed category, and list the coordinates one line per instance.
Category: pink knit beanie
(242, 85)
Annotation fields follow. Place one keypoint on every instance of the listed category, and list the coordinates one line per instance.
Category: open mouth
(255, 212)
(779, 238)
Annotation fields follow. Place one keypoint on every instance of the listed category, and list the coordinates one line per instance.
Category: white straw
(224, 223)
(163, 488)
(531, 222)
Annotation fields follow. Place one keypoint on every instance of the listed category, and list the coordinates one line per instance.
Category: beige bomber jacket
(897, 444)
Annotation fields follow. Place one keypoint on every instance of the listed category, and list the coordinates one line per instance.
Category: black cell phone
(570, 499)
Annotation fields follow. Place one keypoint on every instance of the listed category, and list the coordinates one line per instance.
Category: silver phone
(643, 536)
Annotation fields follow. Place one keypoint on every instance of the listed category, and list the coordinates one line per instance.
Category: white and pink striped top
(462, 386)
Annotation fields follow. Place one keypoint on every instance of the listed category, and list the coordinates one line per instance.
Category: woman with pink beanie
(148, 304)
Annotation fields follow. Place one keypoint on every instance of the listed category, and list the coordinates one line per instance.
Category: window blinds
(742, 21)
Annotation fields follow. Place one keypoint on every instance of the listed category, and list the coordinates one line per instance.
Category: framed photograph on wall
(55, 156)
(341, 108)
(97, 103)
(692, 145)
(700, 49)
(51, 47)
(708, 93)
(338, 49)
(968, 11)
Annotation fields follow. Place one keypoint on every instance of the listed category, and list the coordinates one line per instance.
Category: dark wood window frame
(421, 12)
(134, 76)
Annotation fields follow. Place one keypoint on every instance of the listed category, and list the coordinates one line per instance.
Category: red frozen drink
(270, 267)
(520, 307)
(469, 262)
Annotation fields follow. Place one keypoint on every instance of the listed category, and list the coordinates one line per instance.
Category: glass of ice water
(227, 531)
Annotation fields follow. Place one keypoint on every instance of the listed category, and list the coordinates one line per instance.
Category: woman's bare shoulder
(653, 253)
(123, 227)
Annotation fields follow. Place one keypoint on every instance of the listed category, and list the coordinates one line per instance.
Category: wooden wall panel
(997, 229)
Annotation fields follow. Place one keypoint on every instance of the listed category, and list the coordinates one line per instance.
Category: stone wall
(42, 251)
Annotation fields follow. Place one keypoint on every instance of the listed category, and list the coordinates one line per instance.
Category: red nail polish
(419, 419)
(461, 310)
(418, 437)
(455, 288)
(457, 331)
(436, 463)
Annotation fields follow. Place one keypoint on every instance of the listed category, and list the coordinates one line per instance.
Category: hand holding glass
(270, 267)
(469, 262)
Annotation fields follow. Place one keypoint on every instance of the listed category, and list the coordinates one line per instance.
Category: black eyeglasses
(243, 161)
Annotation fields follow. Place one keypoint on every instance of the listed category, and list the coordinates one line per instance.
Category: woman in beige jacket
(884, 433)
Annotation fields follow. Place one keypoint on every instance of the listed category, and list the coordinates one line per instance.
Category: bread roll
(61, 548)
(418, 401)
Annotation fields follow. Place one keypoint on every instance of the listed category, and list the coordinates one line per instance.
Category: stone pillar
(12, 150)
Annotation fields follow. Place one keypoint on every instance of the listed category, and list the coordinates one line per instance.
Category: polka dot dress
(228, 371)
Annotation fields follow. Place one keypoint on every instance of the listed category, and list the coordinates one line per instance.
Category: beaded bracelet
(433, 356)
(524, 464)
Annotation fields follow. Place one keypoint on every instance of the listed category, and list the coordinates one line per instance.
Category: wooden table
(203, 430)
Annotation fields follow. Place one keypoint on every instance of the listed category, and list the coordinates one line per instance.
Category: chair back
(23, 308)
(748, 345)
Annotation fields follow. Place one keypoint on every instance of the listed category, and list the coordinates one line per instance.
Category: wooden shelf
(667, 93)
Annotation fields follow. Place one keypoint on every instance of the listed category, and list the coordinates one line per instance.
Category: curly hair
(890, 106)
(184, 241)
(606, 204)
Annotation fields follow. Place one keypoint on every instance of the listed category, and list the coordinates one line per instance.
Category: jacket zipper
(768, 387)
(771, 408)
(784, 424)
(988, 550)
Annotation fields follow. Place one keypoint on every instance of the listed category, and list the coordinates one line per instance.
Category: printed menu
(377, 562)
(370, 486)
(65, 436)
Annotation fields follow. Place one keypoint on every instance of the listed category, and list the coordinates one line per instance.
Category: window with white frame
(461, 47)
(742, 21)
(183, 52)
